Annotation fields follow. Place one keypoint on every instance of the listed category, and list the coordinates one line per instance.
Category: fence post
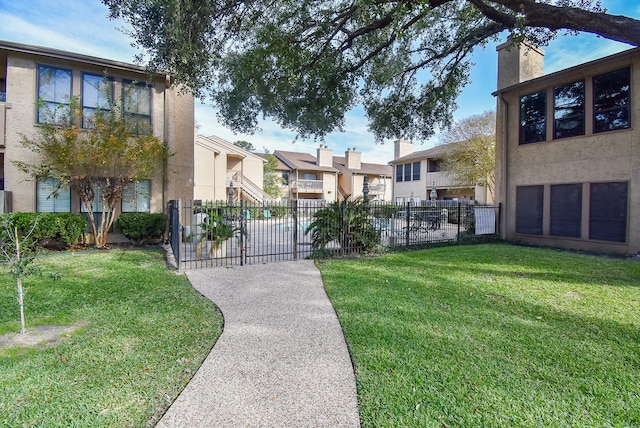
(243, 230)
(459, 221)
(407, 216)
(294, 213)
(174, 230)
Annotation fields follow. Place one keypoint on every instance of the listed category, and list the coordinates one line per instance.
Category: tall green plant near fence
(345, 224)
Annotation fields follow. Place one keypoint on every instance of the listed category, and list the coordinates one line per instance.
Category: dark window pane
(566, 210)
(398, 173)
(608, 211)
(416, 171)
(533, 124)
(433, 165)
(529, 202)
(97, 92)
(568, 114)
(407, 172)
(611, 101)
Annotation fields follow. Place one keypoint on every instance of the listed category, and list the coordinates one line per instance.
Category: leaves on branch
(306, 63)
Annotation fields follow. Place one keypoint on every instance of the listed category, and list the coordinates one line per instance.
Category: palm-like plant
(216, 230)
(345, 222)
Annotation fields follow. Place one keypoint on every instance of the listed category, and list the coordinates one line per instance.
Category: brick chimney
(402, 147)
(325, 156)
(518, 63)
(353, 159)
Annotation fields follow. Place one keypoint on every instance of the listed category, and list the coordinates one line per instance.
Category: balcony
(306, 186)
(377, 189)
(441, 179)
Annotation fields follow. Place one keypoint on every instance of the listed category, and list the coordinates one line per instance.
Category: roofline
(72, 56)
(589, 64)
(232, 148)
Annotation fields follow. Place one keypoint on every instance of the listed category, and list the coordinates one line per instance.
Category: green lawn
(492, 336)
(146, 331)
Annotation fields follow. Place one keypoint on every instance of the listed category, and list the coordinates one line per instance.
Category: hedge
(49, 229)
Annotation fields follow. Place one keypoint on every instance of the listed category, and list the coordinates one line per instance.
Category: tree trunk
(23, 329)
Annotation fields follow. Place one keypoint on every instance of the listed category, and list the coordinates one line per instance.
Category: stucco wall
(592, 158)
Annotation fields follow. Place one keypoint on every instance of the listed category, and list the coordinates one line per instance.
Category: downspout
(505, 154)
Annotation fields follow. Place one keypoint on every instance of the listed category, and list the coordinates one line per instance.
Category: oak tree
(305, 63)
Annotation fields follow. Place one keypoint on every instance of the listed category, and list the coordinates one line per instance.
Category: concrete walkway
(281, 361)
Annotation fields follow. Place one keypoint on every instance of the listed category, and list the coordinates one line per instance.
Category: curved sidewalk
(281, 360)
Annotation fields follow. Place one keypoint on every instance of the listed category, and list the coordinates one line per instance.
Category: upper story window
(285, 177)
(97, 94)
(137, 106)
(611, 94)
(568, 110)
(433, 165)
(407, 172)
(399, 169)
(54, 92)
(533, 123)
(416, 171)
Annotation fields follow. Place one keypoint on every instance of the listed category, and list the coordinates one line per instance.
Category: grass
(491, 335)
(145, 333)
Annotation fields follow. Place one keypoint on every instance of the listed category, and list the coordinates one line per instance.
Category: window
(407, 172)
(416, 171)
(608, 211)
(611, 101)
(566, 210)
(48, 201)
(529, 202)
(399, 173)
(310, 176)
(433, 165)
(285, 177)
(136, 197)
(533, 122)
(54, 93)
(97, 93)
(137, 107)
(568, 110)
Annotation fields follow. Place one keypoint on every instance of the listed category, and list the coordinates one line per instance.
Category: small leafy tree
(18, 256)
(271, 179)
(97, 160)
(472, 157)
(346, 223)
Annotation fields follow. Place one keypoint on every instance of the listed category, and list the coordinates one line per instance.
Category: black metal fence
(205, 234)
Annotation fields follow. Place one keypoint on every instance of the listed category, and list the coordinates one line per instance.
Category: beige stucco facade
(585, 161)
(172, 119)
(218, 163)
(352, 174)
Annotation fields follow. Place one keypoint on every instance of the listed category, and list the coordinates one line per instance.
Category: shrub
(142, 227)
(346, 224)
(51, 229)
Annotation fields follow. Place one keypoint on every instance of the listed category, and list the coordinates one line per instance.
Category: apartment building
(32, 73)
(568, 151)
(221, 166)
(416, 174)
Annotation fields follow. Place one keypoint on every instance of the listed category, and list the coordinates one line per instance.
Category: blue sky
(82, 26)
